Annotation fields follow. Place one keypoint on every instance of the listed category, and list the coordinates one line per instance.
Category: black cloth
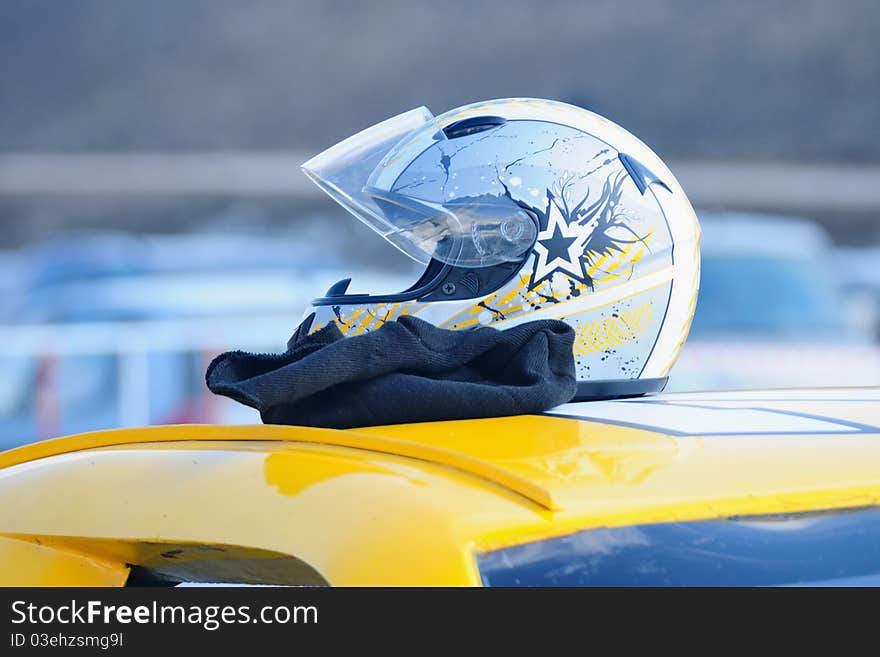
(406, 371)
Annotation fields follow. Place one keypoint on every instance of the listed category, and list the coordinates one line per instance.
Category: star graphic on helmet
(560, 247)
(557, 244)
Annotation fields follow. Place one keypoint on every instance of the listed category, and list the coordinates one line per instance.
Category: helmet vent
(471, 283)
(472, 126)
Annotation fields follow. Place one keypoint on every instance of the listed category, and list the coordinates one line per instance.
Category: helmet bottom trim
(607, 389)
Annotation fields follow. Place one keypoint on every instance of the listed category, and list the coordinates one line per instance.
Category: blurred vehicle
(771, 311)
(859, 272)
(695, 489)
(115, 330)
(116, 277)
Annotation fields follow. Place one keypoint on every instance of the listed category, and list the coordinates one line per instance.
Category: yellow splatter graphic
(613, 331)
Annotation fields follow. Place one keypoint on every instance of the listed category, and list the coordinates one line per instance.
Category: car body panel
(413, 504)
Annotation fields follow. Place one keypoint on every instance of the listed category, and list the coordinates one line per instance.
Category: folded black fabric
(406, 371)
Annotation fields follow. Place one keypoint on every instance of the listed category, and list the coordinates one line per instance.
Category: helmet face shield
(363, 175)
(342, 171)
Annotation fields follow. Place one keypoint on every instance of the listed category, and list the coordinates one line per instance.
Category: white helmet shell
(525, 209)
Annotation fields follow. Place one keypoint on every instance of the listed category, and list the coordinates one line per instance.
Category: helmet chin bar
(444, 282)
(439, 282)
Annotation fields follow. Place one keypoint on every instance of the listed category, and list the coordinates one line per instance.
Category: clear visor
(361, 172)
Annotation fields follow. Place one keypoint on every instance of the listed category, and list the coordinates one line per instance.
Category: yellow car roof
(552, 458)
(360, 501)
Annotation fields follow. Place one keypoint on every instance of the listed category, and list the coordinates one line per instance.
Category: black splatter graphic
(497, 315)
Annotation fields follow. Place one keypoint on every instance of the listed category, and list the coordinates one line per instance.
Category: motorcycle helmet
(524, 209)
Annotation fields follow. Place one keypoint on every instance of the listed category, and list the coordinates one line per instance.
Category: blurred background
(153, 213)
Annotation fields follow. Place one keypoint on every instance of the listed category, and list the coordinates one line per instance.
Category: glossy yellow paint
(30, 562)
(356, 439)
(356, 517)
(402, 505)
